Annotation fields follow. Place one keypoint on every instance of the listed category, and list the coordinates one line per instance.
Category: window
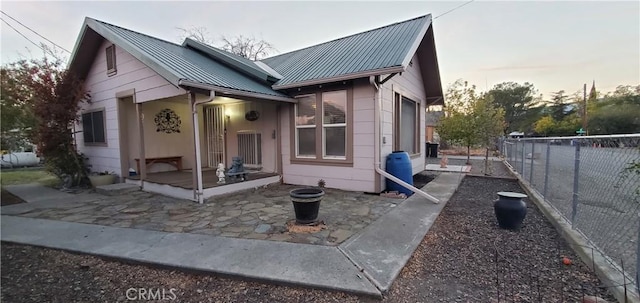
(322, 127)
(334, 124)
(93, 128)
(111, 60)
(407, 126)
(306, 127)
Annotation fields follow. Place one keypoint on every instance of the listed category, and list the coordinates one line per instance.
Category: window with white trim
(111, 59)
(93, 128)
(305, 119)
(407, 124)
(334, 125)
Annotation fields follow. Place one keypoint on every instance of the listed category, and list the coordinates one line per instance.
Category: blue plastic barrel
(399, 165)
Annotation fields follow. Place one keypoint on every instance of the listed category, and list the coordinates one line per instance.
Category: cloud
(516, 67)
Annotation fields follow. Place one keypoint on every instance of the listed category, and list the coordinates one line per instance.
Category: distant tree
(244, 46)
(17, 119)
(248, 47)
(545, 126)
(517, 101)
(560, 107)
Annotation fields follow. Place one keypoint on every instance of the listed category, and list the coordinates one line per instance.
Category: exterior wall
(359, 177)
(409, 84)
(160, 144)
(266, 125)
(131, 74)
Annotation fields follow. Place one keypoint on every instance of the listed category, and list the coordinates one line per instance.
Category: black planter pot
(306, 204)
(510, 210)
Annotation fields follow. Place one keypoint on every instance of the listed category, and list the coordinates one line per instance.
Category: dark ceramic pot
(510, 210)
(306, 204)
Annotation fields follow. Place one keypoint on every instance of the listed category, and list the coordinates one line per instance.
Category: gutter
(369, 73)
(224, 90)
(376, 145)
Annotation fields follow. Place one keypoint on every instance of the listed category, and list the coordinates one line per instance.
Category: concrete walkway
(365, 264)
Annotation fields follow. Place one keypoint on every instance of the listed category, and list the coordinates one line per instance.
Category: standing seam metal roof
(367, 51)
(189, 64)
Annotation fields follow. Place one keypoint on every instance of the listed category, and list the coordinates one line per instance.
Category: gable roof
(383, 50)
(180, 65)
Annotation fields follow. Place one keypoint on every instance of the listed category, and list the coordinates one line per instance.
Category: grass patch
(28, 176)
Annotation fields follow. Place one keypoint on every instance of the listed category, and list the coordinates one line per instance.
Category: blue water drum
(399, 165)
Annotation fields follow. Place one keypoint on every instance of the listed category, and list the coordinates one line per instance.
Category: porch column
(141, 156)
(197, 171)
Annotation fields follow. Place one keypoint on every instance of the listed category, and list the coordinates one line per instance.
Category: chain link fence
(593, 182)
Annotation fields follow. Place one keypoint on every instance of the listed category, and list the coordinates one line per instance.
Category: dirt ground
(456, 262)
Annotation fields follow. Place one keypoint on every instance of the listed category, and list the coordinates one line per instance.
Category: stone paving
(253, 214)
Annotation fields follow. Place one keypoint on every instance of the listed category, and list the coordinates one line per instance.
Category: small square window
(111, 60)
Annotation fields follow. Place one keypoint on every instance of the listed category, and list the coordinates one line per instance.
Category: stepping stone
(262, 228)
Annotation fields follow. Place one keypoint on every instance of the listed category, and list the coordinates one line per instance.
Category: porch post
(197, 171)
(143, 166)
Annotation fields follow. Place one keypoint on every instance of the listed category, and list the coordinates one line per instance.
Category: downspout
(198, 191)
(376, 145)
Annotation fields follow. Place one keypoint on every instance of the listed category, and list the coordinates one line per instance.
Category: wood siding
(409, 84)
(359, 177)
(131, 74)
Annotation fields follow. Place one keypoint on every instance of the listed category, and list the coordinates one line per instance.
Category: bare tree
(248, 47)
(200, 34)
(244, 46)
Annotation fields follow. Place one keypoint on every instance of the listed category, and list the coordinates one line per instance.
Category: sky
(553, 45)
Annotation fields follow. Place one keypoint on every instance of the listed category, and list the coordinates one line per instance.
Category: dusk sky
(554, 45)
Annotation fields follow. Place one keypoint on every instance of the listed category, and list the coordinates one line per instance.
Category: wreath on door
(167, 121)
(252, 115)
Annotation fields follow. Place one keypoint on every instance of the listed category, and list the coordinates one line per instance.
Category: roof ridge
(139, 33)
(348, 36)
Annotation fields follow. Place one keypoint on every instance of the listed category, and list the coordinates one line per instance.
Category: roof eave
(364, 74)
(226, 90)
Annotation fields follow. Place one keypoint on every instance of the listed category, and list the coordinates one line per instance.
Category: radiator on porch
(250, 148)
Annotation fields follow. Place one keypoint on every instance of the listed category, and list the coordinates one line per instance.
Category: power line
(41, 36)
(23, 36)
(453, 9)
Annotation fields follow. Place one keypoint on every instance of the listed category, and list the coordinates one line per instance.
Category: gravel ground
(456, 262)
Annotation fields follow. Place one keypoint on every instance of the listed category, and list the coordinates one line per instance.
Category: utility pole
(584, 110)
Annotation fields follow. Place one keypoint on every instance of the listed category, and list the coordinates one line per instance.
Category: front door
(214, 124)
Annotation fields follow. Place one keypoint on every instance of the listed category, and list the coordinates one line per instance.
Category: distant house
(169, 113)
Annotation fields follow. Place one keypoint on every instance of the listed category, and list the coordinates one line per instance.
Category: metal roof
(178, 64)
(388, 48)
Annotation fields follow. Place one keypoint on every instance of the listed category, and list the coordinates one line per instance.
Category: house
(333, 111)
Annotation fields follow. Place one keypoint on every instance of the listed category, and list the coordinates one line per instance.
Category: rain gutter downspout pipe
(198, 190)
(374, 80)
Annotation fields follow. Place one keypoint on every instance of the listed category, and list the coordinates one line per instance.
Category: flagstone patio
(254, 214)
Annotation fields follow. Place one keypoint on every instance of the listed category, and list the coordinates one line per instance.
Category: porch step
(117, 189)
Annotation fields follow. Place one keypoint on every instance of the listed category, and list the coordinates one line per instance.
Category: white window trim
(297, 138)
(114, 70)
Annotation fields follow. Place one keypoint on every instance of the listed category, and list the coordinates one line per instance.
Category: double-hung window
(407, 124)
(306, 127)
(334, 125)
(322, 127)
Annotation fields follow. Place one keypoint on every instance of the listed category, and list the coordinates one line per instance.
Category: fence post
(638, 262)
(576, 177)
(524, 150)
(546, 170)
(533, 149)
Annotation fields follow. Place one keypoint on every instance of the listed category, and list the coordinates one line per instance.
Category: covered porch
(173, 146)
